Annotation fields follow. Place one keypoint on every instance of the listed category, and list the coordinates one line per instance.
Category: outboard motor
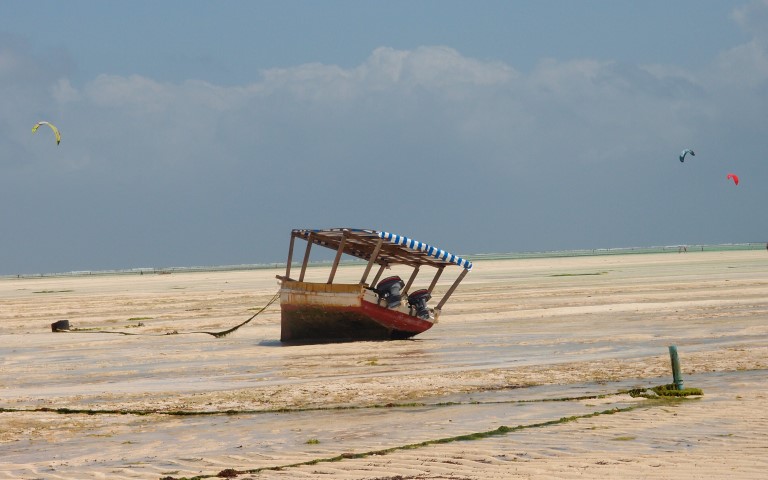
(389, 289)
(418, 301)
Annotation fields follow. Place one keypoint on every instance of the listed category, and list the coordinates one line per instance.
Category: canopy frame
(381, 248)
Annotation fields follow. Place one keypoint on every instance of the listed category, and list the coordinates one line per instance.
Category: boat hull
(341, 312)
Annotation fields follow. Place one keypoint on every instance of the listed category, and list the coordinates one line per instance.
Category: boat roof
(396, 249)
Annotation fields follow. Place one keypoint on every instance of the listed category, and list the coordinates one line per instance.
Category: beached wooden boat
(384, 308)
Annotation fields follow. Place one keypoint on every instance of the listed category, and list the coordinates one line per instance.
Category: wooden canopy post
(290, 257)
(371, 261)
(378, 274)
(437, 277)
(338, 257)
(410, 280)
(450, 290)
(306, 257)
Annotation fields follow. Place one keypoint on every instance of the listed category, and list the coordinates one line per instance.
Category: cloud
(388, 69)
(753, 18)
(427, 142)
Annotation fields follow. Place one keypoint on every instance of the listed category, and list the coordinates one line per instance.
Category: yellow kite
(53, 127)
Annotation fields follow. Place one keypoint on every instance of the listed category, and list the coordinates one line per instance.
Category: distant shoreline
(474, 257)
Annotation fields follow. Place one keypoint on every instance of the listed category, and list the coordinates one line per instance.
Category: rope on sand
(227, 332)
(221, 334)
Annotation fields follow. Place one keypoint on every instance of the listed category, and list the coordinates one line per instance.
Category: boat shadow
(278, 343)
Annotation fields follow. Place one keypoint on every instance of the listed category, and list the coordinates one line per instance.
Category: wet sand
(517, 335)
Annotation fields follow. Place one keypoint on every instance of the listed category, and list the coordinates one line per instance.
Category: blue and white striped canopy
(426, 248)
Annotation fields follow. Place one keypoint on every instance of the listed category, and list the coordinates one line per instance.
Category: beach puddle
(59, 441)
(157, 444)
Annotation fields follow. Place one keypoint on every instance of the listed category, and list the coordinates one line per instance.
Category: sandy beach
(524, 376)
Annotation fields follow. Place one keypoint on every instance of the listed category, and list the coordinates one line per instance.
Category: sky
(199, 133)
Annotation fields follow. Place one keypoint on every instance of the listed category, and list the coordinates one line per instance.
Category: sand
(521, 345)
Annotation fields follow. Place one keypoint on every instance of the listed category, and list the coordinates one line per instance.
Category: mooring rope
(221, 334)
(227, 332)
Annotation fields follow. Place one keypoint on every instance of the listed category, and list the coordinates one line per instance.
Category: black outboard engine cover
(418, 301)
(389, 289)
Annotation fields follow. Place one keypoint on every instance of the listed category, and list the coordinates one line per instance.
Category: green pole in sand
(677, 377)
